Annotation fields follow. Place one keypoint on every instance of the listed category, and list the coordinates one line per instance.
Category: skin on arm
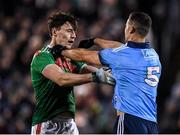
(88, 69)
(57, 75)
(107, 43)
(84, 55)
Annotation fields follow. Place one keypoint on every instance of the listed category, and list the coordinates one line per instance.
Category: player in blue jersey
(136, 68)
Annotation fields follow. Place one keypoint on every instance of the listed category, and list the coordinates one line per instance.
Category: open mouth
(71, 42)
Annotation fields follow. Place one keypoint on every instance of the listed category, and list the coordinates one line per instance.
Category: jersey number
(152, 79)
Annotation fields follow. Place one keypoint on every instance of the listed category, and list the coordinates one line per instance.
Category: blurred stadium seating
(23, 30)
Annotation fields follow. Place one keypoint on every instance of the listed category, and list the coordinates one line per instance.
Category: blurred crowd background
(23, 30)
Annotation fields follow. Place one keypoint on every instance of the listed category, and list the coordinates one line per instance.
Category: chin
(68, 47)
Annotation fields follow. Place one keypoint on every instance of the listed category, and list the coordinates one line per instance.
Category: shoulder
(42, 55)
(122, 47)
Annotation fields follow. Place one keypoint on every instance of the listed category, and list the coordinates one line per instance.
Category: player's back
(137, 70)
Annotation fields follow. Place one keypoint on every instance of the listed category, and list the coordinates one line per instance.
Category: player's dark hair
(58, 18)
(142, 22)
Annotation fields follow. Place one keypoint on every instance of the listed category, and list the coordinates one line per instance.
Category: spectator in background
(170, 122)
(23, 19)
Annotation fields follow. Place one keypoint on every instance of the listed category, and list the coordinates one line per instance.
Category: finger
(110, 80)
(105, 68)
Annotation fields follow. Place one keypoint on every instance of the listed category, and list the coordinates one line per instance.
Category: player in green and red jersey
(54, 76)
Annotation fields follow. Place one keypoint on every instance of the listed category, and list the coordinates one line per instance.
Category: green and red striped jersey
(51, 99)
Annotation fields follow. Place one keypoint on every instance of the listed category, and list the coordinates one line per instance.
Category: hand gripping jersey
(136, 69)
(51, 99)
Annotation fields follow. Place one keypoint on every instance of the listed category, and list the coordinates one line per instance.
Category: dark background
(23, 30)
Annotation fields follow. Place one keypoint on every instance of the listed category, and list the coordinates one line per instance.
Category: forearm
(89, 69)
(69, 79)
(74, 54)
(83, 55)
(57, 75)
(106, 43)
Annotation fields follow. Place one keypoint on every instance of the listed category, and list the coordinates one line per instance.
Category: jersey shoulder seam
(124, 46)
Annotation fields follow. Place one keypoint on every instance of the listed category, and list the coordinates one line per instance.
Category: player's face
(65, 35)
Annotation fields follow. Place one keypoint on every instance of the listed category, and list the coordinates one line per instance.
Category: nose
(73, 35)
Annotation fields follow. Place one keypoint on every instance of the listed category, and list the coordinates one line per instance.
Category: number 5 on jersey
(152, 79)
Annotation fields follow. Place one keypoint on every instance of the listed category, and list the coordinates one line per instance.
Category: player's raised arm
(84, 55)
(103, 43)
(107, 43)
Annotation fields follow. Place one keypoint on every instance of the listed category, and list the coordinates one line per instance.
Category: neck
(137, 39)
(53, 41)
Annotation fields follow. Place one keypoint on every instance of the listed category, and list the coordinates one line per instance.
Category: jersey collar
(49, 46)
(138, 45)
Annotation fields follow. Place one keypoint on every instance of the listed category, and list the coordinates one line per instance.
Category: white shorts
(56, 126)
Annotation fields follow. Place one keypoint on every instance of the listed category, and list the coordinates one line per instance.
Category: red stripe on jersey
(59, 62)
(65, 65)
(38, 129)
(70, 66)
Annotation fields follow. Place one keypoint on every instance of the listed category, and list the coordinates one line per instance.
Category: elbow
(62, 79)
(62, 83)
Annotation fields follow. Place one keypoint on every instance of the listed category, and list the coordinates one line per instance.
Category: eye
(69, 30)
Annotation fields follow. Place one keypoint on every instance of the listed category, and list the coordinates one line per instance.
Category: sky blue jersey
(136, 68)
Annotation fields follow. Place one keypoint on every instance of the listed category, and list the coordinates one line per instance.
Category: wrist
(92, 40)
(94, 78)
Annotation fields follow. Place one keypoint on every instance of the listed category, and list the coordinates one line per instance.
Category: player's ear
(54, 32)
(132, 30)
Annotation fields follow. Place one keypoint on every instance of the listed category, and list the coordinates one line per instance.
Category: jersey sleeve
(41, 60)
(79, 65)
(105, 57)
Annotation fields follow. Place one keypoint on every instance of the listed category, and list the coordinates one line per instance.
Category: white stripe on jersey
(124, 46)
(120, 126)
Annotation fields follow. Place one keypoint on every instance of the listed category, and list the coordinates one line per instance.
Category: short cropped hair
(58, 18)
(141, 21)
